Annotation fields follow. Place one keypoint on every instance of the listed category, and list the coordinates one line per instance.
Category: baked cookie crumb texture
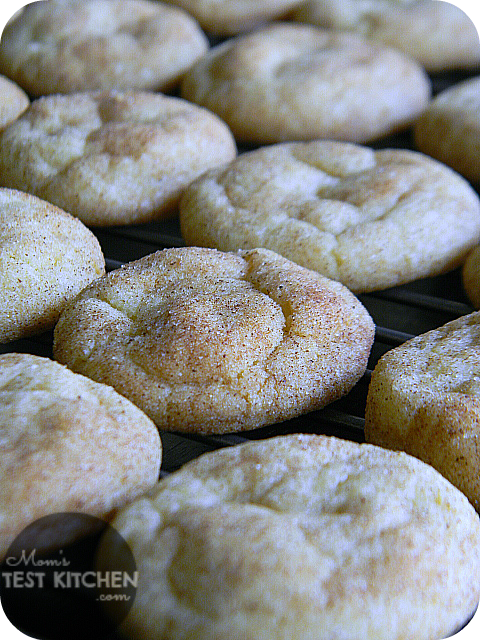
(300, 537)
(449, 128)
(205, 341)
(290, 81)
(439, 35)
(424, 398)
(112, 157)
(46, 257)
(65, 46)
(68, 444)
(370, 219)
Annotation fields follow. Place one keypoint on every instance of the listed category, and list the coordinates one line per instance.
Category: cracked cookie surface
(370, 219)
(290, 81)
(302, 537)
(112, 157)
(67, 444)
(65, 46)
(206, 341)
(424, 398)
(439, 35)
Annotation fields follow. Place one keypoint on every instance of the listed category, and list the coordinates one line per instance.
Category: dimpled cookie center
(282, 53)
(251, 517)
(308, 185)
(100, 23)
(216, 332)
(102, 125)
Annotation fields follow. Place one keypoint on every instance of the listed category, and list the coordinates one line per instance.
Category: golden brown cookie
(112, 157)
(66, 46)
(13, 101)
(449, 129)
(229, 17)
(371, 219)
(46, 257)
(290, 81)
(471, 276)
(210, 342)
(424, 398)
(68, 444)
(301, 537)
(439, 35)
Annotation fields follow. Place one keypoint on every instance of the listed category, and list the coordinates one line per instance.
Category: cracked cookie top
(370, 219)
(439, 35)
(299, 537)
(206, 341)
(112, 157)
(64, 46)
(67, 444)
(290, 81)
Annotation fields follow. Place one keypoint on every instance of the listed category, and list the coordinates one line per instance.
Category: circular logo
(54, 584)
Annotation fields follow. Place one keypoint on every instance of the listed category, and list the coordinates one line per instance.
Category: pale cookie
(449, 129)
(297, 82)
(112, 157)
(471, 276)
(424, 398)
(67, 444)
(65, 46)
(439, 35)
(371, 219)
(46, 257)
(205, 341)
(13, 101)
(230, 17)
(301, 537)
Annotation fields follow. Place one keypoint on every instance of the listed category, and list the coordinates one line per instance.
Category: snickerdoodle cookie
(112, 157)
(64, 46)
(46, 257)
(437, 34)
(13, 101)
(301, 537)
(290, 81)
(471, 276)
(67, 444)
(205, 341)
(371, 219)
(449, 129)
(424, 398)
(229, 17)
